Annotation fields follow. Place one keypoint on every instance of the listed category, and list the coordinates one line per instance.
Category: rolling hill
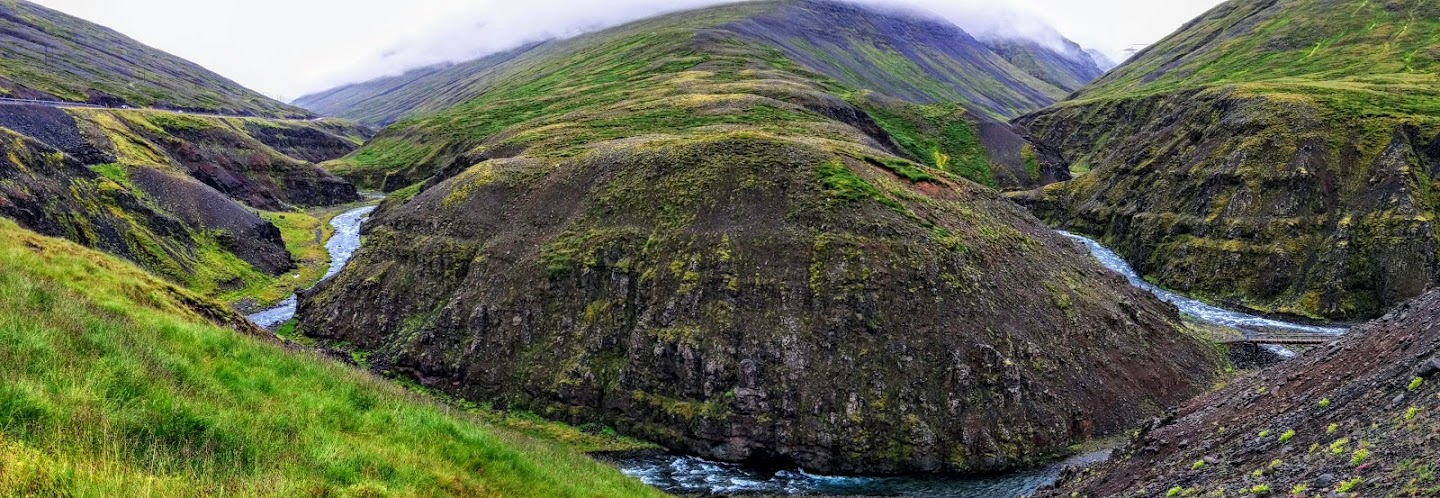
(1275, 155)
(686, 228)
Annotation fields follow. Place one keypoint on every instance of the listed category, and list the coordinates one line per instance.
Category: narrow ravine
(1201, 311)
(342, 247)
(689, 475)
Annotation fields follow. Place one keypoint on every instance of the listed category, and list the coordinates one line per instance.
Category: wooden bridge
(1285, 339)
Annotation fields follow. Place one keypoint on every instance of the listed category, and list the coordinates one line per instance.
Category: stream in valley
(689, 475)
(342, 247)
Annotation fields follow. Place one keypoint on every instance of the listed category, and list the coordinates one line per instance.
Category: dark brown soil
(1360, 417)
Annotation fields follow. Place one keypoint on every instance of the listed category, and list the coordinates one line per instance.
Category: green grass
(116, 386)
(1359, 41)
(653, 78)
(942, 136)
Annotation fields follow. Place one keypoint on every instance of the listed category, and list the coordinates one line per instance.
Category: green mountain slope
(914, 59)
(48, 55)
(1068, 68)
(680, 231)
(383, 101)
(118, 384)
(901, 55)
(1278, 155)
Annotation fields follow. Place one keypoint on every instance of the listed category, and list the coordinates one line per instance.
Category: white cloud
(286, 48)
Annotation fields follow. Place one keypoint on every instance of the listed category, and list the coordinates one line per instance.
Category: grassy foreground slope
(118, 384)
(1277, 155)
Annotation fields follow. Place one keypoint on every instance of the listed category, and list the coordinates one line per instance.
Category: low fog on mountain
(328, 43)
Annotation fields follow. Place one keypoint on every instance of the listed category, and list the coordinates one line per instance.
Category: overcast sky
(287, 48)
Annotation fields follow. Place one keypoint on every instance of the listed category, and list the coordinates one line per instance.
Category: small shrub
(1411, 413)
(1264, 434)
(1287, 436)
(1299, 489)
(1199, 464)
(1338, 447)
(1415, 384)
(1260, 489)
(1325, 403)
(1333, 429)
(1361, 455)
(1175, 492)
(1350, 485)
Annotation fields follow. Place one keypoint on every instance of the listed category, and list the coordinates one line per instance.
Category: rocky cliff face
(682, 233)
(1274, 155)
(1359, 417)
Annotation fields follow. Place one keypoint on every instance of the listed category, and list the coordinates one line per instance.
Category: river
(342, 247)
(689, 475)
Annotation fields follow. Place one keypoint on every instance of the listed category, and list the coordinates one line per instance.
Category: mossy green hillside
(907, 56)
(264, 163)
(1275, 155)
(118, 382)
(1374, 46)
(659, 76)
(166, 189)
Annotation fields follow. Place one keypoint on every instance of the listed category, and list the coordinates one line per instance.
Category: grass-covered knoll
(118, 384)
(48, 55)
